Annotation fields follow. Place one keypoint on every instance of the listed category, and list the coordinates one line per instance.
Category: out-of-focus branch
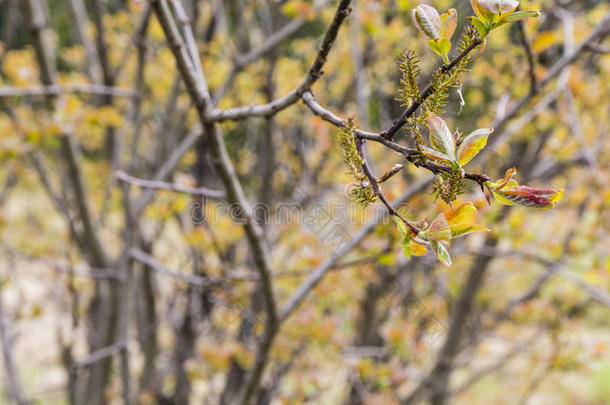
(483, 372)
(55, 90)
(37, 24)
(191, 45)
(138, 36)
(603, 28)
(35, 16)
(13, 384)
(356, 238)
(60, 266)
(313, 75)
(154, 264)
(99, 10)
(75, 173)
(501, 134)
(597, 48)
(161, 185)
(241, 61)
(79, 14)
(531, 63)
(166, 168)
(195, 84)
(435, 384)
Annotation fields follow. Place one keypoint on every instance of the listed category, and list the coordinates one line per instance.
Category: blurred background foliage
(355, 339)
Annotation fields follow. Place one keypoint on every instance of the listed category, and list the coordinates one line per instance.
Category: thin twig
(313, 75)
(531, 63)
(241, 61)
(13, 383)
(154, 264)
(161, 185)
(356, 238)
(412, 155)
(56, 90)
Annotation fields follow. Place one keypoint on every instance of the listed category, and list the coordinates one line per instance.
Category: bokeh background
(152, 297)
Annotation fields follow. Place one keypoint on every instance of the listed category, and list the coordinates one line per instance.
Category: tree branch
(55, 90)
(313, 75)
(402, 120)
(161, 185)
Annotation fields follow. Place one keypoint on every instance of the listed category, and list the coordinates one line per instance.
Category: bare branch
(161, 185)
(79, 14)
(596, 48)
(241, 61)
(531, 63)
(13, 384)
(314, 74)
(152, 263)
(224, 167)
(55, 90)
(166, 168)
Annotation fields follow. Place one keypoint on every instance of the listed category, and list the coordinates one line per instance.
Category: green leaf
(442, 253)
(472, 144)
(407, 246)
(518, 16)
(400, 224)
(480, 26)
(440, 46)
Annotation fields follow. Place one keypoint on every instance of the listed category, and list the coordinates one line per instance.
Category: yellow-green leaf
(461, 220)
(472, 144)
(439, 230)
(448, 23)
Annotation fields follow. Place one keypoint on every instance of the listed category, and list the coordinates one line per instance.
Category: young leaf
(448, 23)
(461, 220)
(482, 13)
(551, 194)
(528, 196)
(402, 228)
(442, 253)
(439, 230)
(508, 175)
(417, 249)
(440, 136)
(500, 7)
(427, 20)
(480, 26)
(436, 155)
(440, 46)
(472, 144)
(407, 247)
(517, 16)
